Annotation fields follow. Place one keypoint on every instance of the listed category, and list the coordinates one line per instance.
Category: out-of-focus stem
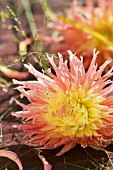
(29, 15)
(47, 10)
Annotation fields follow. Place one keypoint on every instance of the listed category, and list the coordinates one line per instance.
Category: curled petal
(24, 45)
(67, 147)
(13, 73)
(47, 166)
(11, 155)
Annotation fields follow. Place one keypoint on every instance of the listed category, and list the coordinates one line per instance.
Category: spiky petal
(73, 106)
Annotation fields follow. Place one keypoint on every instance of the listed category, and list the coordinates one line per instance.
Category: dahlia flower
(84, 28)
(70, 107)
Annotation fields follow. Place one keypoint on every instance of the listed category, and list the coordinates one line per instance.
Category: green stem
(29, 15)
(47, 10)
(6, 112)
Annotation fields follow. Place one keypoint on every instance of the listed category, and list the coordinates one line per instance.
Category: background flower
(82, 29)
(70, 107)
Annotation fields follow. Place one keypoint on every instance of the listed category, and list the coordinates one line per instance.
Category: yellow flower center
(104, 27)
(76, 112)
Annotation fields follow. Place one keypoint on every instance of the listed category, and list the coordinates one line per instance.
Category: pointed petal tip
(59, 154)
(27, 65)
(17, 82)
(60, 55)
(70, 52)
(14, 81)
(95, 53)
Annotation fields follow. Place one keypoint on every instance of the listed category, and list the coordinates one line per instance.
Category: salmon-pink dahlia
(70, 107)
(82, 29)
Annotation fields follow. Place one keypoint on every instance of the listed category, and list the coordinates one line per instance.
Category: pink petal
(13, 156)
(47, 166)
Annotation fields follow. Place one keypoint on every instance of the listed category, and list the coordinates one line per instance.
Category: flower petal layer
(69, 107)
